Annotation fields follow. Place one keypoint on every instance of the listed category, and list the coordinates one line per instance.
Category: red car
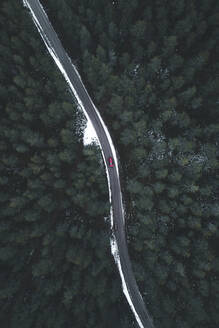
(111, 163)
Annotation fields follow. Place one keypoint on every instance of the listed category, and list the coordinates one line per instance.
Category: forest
(152, 70)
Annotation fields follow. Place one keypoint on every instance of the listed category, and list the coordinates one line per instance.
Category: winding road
(77, 87)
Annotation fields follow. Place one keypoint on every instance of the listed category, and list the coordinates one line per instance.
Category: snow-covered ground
(90, 135)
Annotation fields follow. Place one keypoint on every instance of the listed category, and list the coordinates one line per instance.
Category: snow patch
(90, 135)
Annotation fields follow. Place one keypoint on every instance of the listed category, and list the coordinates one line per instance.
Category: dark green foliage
(151, 67)
(55, 262)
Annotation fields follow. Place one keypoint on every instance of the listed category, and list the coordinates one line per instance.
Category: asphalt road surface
(51, 38)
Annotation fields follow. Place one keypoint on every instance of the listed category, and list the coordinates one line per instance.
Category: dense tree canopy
(151, 68)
